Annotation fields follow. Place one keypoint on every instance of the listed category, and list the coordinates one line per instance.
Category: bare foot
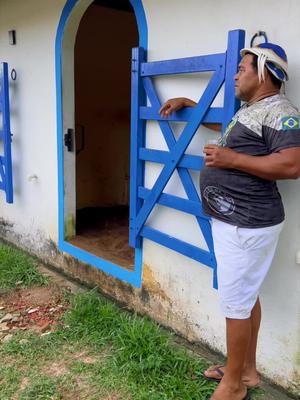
(224, 392)
(251, 380)
(216, 372)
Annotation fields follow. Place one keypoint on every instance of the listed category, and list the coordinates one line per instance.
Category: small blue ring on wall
(132, 277)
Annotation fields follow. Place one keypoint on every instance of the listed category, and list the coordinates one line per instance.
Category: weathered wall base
(150, 300)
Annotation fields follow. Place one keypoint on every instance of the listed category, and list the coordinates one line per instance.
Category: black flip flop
(248, 396)
(219, 371)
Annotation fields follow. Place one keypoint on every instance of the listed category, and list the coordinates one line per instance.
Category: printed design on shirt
(289, 123)
(278, 112)
(268, 112)
(223, 139)
(219, 201)
(251, 117)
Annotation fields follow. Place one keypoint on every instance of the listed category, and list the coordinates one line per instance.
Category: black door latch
(69, 142)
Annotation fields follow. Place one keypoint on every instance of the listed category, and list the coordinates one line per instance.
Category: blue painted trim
(177, 203)
(137, 140)
(141, 23)
(183, 65)
(133, 277)
(162, 157)
(189, 250)
(236, 41)
(214, 114)
(7, 180)
(112, 269)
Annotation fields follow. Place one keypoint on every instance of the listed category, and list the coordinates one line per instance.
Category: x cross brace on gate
(223, 66)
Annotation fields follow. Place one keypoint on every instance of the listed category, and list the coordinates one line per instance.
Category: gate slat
(189, 250)
(177, 203)
(183, 65)
(162, 157)
(213, 115)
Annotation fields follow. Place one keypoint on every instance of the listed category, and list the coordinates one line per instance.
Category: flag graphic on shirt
(290, 122)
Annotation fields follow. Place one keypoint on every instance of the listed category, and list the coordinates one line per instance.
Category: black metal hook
(258, 34)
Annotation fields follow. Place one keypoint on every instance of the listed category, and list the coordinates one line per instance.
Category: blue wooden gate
(143, 200)
(5, 136)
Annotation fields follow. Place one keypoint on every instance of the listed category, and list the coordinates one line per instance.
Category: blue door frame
(132, 277)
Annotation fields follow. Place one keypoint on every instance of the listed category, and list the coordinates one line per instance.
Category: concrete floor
(103, 232)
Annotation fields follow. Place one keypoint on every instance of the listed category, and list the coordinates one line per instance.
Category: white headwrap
(269, 58)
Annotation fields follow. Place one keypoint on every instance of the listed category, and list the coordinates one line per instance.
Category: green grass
(9, 380)
(98, 352)
(132, 355)
(140, 350)
(16, 266)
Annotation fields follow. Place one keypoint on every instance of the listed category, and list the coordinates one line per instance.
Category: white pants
(244, 257)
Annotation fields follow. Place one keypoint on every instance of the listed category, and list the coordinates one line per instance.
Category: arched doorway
(102, 126)
(95, 129)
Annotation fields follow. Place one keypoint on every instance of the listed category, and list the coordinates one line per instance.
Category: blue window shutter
(6, 183)
(143, 200)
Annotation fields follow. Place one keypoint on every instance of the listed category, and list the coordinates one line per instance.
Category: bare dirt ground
(38, 309)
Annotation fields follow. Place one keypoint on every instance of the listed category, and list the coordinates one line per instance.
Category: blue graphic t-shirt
(239, 198)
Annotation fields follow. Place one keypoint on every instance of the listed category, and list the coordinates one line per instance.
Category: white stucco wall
(176, 29)
(183, 29)
(33, 116)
